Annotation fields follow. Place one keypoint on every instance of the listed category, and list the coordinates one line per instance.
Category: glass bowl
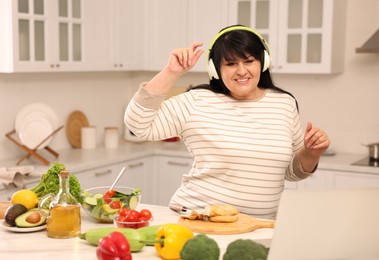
(135, 225)
(105, 208)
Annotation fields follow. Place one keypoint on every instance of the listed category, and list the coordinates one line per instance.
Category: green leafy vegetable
(49, 182)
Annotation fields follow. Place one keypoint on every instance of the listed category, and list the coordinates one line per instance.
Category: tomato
(144, 222)
(134, 212)
(110, 193)
(146, 214)
(131, 218)
(124, 212)
(106, 198)
(121, 218)
(115, 205)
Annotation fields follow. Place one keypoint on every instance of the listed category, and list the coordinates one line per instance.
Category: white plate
(22, 230)
(34, 123)
(36, 108)
(34, 130)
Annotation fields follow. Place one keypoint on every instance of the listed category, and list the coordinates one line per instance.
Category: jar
(111, 137)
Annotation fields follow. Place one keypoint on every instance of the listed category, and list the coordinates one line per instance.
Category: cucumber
(98, 196)
(133, 236)
(133, 202)
(90, 201)
(150, 233)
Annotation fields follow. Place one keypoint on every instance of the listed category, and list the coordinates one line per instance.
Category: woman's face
(241, 77)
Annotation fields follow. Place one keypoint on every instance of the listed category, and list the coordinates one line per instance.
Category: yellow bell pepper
(174, 237)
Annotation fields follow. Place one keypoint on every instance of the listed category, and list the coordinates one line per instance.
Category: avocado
(32, 218)
(13, 212)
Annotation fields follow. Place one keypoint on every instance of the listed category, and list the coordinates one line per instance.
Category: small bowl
(135, 225)
(104, 210)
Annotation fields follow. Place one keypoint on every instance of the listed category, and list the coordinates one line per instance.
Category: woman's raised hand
(316, 141)
(183, 59)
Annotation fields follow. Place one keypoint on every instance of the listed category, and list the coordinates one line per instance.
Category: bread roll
(220, 210)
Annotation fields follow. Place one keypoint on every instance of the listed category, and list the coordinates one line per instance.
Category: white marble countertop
(37, 245)
(80, 159)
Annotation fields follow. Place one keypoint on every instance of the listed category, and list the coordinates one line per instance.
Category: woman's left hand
(316, 141)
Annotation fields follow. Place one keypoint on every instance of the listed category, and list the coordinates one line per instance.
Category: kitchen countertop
(81, 159)
(37, 245)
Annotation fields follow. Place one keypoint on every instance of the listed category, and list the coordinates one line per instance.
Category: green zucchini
(134, 237)
(150, 233)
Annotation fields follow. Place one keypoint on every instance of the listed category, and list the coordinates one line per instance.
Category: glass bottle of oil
(64, 216)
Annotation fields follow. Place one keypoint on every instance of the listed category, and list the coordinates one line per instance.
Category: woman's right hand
(183, 59)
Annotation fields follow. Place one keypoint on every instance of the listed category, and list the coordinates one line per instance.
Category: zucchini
(150, 233)
(134, 237)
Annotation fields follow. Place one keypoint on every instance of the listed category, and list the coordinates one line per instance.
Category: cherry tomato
(134, 212)
(124, 212)
(131, 218)
(143, 222)
(115, 205)
(106, 198)
(146, 214)
(122, 218)
(110, 193)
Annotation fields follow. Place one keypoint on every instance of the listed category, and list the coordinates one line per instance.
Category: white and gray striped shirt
(242, 150)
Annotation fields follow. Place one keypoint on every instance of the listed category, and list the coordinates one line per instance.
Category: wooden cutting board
(3, 208)
(244, 224)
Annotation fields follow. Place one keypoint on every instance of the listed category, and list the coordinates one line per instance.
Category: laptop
(327, 225)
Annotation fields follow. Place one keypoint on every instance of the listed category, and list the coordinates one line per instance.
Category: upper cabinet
(113, 35)
(305, 36)
(41, 35)
(188, 21)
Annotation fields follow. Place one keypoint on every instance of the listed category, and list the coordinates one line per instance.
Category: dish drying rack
(33, 152)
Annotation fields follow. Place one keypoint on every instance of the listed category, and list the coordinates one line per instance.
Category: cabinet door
(203, 25)
(43, 35)
(100, 176)
(167, 29)
(113, 34)
(170, 172)
(305, 36)
(354, 180)
(138, 174)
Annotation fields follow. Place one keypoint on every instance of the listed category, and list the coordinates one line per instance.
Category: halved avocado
(14, 212)
(32, 218)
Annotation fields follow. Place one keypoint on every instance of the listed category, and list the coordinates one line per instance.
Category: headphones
(212, 72)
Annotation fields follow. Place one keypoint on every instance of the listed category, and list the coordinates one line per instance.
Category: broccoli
(200, 247)
(49, 182)
(245, 249)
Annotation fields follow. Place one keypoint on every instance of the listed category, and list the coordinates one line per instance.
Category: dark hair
(238, 44)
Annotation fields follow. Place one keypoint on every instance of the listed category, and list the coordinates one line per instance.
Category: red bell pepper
(115, 246)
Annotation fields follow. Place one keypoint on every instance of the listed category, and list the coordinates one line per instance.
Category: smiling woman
(243, 132)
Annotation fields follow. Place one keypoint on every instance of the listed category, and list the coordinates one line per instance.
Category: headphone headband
(212, 69)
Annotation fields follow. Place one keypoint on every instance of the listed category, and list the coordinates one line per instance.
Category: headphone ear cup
(212, 72)
(267, 61)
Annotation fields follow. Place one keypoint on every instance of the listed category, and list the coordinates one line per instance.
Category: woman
(243, 132)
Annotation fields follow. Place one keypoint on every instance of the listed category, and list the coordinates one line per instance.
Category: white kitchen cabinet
(346, 180)
(114, 42)
(189, 21)
(139, 174)
(203, 25)
(305, 36)
(169, 176)
(166, 24)
(41, 35)
(332, 179)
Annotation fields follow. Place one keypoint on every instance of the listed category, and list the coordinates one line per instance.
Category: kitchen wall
(344, 105)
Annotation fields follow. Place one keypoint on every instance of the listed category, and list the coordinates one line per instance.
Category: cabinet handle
(121, 65)
(178, 163)
(57, 65)
(103, 173)
(52, 65)
(135, 165)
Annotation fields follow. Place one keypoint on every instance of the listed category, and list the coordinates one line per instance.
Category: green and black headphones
(212, 72)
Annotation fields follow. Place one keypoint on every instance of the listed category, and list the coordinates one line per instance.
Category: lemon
(25, 197)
